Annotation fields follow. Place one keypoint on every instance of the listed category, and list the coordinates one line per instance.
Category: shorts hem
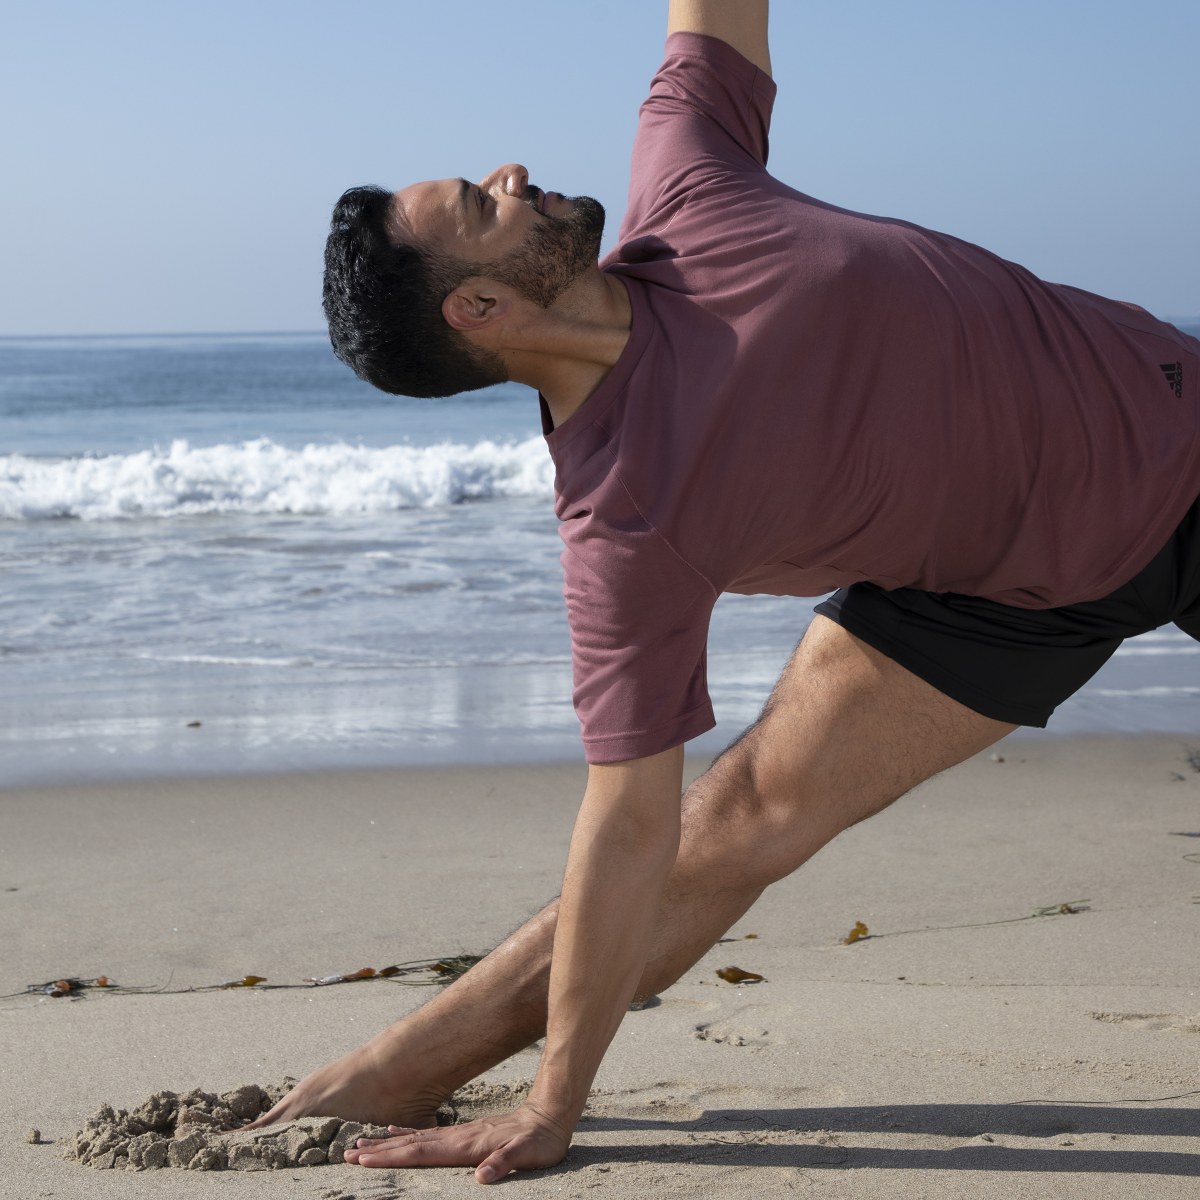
(931, 672)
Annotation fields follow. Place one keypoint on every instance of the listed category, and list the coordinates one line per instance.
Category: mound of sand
(197, 1132)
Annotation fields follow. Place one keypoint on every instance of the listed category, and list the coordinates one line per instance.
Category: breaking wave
(261, 477)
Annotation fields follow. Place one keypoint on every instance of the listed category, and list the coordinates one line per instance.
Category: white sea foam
(225, 660)
(265, 478)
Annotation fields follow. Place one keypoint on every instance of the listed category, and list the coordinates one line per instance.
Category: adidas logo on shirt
(1174, 374)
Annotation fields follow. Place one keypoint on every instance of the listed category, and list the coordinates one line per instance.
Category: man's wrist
(563, 1082)
(559, 1116)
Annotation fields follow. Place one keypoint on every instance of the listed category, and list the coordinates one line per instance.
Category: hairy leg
(845, 732)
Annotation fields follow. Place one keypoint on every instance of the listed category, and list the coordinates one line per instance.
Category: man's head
(410, 276)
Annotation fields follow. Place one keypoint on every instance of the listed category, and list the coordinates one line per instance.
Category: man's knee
(751, 816)
(845, 733)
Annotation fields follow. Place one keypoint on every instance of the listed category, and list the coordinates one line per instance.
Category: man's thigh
(847, 730)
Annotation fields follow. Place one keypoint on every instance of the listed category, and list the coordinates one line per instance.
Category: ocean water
(227, 553)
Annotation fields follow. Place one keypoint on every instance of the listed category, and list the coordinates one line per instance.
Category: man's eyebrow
(463, 188)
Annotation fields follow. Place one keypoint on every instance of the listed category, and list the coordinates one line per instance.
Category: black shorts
(1018, 664)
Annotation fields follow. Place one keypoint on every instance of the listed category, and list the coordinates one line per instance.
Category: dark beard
(557, 251)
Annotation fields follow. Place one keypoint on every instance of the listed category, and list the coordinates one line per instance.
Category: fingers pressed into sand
(366, 1143)
(496, 1146)
(409, 1147)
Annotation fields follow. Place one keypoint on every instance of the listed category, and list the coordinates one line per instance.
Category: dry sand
(967, 1047)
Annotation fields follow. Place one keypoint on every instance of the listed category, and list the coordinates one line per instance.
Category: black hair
(383, 302)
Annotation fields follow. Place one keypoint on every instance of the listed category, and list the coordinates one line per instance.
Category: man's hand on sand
(523, 1140)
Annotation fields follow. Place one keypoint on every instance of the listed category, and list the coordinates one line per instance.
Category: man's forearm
(741, 23)
(622, 850)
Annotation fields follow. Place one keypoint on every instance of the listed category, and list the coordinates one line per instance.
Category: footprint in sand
(1170, 1021)
(726, 1035)
(382, 1189)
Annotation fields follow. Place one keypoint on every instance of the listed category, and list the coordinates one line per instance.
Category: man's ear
(474, 305)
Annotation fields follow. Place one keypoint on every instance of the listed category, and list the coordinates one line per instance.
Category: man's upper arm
(740, 23)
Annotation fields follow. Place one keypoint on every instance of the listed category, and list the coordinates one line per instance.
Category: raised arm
(741, 23)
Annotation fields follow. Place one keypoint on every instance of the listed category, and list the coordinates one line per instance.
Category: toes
(270, 1117)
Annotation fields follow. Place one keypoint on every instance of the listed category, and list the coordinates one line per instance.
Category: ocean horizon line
(1189, 323)
(165, 335)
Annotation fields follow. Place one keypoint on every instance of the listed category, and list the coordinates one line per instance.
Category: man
(761, 393)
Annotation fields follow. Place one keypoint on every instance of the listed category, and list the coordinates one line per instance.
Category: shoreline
(966, 1045)
(228, 765)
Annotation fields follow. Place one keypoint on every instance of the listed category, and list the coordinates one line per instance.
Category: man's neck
(574, 344)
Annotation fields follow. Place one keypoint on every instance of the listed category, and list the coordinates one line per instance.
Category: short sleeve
(639, 619)
(709, 109)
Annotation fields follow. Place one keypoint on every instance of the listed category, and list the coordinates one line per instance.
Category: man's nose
(510, 180)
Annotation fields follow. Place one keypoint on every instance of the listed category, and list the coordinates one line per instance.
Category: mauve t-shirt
(811, 397)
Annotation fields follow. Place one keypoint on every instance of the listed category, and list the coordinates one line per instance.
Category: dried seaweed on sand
(428, 972)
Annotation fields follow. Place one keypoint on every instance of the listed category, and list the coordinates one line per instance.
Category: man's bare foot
(358, 1087)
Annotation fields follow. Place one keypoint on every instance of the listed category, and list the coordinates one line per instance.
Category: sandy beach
(967, 1046)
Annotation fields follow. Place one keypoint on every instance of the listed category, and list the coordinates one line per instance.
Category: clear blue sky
(171, 166)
